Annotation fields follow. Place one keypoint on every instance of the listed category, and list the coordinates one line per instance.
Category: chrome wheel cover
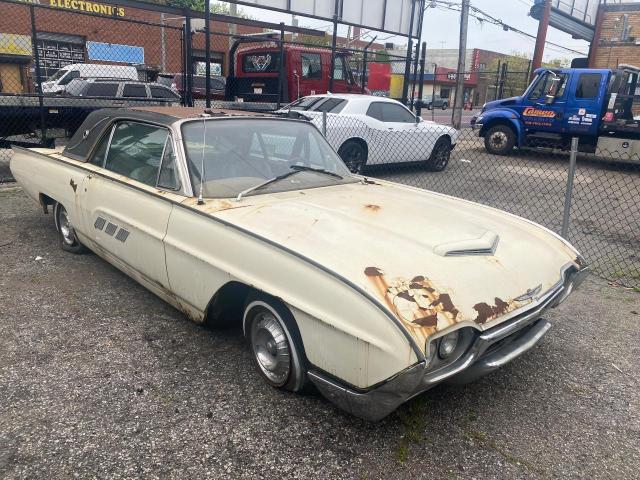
(270, 347)
(66, 228)
(498, 140)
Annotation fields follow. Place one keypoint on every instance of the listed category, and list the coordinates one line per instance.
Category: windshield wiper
(294, 169)
(305, 168)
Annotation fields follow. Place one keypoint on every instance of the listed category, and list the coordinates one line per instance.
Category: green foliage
(198, 6)
(517, 79)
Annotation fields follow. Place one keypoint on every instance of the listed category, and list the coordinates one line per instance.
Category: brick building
(617, 36)
(78, 31)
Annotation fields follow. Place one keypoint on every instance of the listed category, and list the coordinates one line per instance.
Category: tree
(516, 80)
(198, 6)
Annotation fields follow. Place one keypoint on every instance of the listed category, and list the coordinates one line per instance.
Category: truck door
(543, 108)
(311, 74)
(584, 107)
(342, 78)
(121, 215)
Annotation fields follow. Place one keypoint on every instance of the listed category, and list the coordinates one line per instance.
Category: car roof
(81, 144)
(354, 96)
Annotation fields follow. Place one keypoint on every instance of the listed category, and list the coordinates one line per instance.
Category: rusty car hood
(427, 257)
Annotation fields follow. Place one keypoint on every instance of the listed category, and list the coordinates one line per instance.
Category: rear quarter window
(102, 90)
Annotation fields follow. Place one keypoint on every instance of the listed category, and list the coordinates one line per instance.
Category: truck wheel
(354, 156)
(444, 106)
(499, 140)
(68, 239)
(440, 155)
(275, 343)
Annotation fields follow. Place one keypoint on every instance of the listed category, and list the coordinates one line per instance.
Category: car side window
(311, 66)
(161, 92)
(102, 90)
(332, 105)
(100, 153)
(396, 113)
(390, 112)
(133, 90)
(375, 111)
(168, 177)
(136, 151)
(69, 76)
(588, 85)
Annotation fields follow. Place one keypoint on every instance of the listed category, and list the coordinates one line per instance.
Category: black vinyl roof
(97, 122)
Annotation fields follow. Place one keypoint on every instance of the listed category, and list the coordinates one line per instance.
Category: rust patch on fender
(372, 208)
(488, 312)
(416, 301)
(73, 184)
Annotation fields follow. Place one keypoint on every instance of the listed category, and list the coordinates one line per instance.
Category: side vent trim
(122, 235)
(111, 229)
(99, 223)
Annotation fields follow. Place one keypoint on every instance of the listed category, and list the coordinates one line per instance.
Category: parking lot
(99, 378)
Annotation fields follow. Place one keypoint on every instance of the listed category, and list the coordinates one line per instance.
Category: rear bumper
(489, 351)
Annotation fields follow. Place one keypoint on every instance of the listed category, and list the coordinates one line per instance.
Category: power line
(483, 16)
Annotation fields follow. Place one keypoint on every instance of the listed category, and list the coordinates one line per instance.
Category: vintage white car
(369, 130)
(372, 291)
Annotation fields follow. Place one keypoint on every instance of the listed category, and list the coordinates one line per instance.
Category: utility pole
(456, 118)
(233, 28)
(541, 39)
(207, 51)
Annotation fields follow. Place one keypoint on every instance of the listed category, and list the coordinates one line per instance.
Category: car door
(395, 138)
(586, 97)
(123, 214)
(537, 114)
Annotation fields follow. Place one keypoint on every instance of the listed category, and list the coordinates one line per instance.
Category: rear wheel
(68, 239)
(274, 343)
(440, 155)
(354, 156)
(444, 106)
(499, 140)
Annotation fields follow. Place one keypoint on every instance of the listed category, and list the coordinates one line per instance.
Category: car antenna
(204, 142)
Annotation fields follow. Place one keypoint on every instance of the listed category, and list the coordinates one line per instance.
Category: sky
(441, 28)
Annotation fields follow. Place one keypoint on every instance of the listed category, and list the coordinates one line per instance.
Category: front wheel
(68, 239)
(499, 140)
(354, 156)
(440, 155)
(274, 343)
(445, 106)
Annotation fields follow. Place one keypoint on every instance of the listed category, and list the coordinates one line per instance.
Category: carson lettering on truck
(534, 112)
(92, 7)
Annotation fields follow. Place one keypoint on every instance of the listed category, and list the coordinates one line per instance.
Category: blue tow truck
(595, 105)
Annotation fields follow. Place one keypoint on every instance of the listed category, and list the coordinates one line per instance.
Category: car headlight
(447, 344)
(479, 119)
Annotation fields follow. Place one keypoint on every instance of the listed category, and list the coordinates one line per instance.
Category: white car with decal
(370, 130)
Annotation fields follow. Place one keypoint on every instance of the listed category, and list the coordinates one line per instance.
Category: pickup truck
(595, 105)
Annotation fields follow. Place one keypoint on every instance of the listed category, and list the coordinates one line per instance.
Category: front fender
(502, 116)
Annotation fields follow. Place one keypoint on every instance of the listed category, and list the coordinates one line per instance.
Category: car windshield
(238, 155)
(57, 75)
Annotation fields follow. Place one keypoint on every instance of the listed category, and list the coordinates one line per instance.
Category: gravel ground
(99, 378)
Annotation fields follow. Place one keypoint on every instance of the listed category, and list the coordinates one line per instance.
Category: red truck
(254, 70)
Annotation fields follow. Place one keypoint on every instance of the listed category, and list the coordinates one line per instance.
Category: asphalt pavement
(101, 379)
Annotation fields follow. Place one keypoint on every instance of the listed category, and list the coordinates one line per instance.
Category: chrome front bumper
(489, 351)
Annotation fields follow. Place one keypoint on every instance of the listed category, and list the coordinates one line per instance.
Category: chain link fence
(146, 58)
(604, 201)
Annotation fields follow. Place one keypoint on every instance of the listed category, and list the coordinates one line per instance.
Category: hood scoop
(485, 245)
